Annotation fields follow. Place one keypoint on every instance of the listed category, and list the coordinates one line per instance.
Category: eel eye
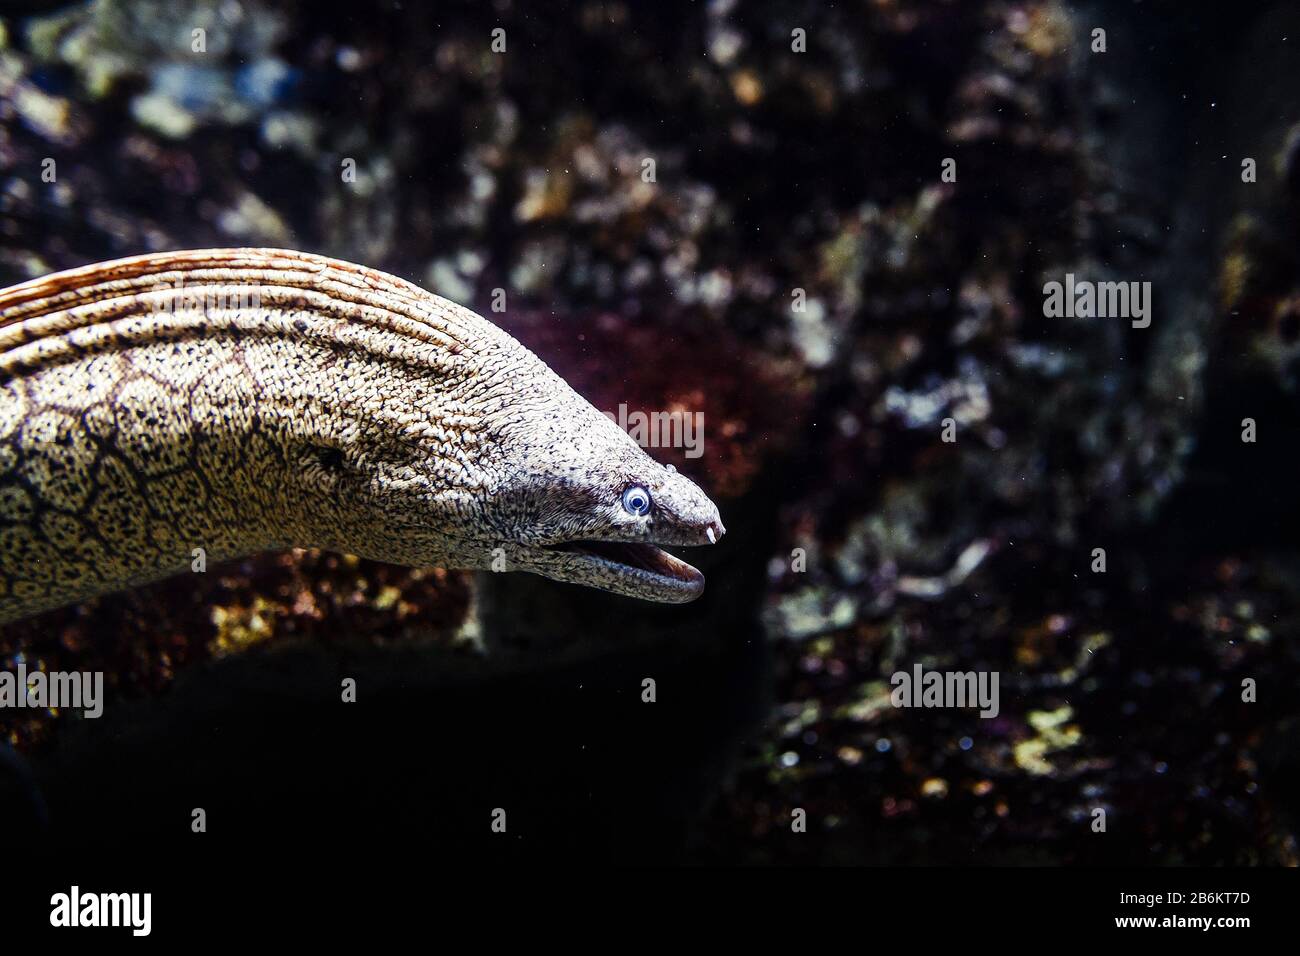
(636, 500)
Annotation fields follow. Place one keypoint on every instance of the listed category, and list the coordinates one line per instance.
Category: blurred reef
(800, 274)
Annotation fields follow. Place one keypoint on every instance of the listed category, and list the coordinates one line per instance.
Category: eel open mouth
(677, 580)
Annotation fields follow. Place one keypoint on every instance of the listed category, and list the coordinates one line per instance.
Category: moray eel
(241, 400)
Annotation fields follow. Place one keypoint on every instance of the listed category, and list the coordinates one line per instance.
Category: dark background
(775, 171)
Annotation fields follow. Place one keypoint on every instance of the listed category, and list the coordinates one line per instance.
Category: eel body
(239, 400)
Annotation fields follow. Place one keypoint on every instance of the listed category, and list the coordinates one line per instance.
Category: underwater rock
(791, 266)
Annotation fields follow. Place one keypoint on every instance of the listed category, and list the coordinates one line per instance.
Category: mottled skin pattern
(238, 400)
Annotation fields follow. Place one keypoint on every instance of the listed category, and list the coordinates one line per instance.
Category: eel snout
(642, 569)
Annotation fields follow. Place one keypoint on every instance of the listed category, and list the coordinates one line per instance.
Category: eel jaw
(631, 568)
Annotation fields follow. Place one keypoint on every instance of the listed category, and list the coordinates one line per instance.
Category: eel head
(590, 507)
